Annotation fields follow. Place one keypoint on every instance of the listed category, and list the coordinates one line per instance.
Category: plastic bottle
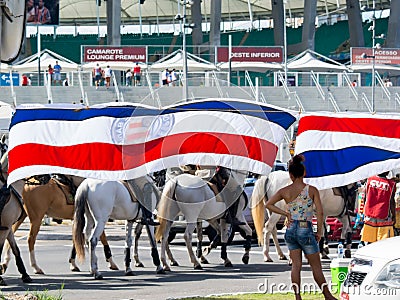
(340, 250)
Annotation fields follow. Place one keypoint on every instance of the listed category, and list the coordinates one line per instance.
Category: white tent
(367, 68)
(6, 112)
(175, 61)
(307, 61)
(47, 57)
(114, 65)
(250, 66)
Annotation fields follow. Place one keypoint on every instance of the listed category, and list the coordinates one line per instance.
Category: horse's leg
(94, 239)
(214, 243)
(72, 260)
(33, 232)
(18, 259)
(224, 227)
(270, 229)
(199, 251)
(153, 244)
(322, 242)
(188, 241)
(346, 235)
(7, 258)
(247, 244)
(164, 246)
(107, 252)
(128, 245)
(138, 232)
(277, 245)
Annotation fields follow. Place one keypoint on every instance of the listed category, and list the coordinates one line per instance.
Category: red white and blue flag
(124, 141)
(343, 148)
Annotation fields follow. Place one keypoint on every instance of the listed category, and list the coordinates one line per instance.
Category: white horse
(333, 204)
(97, 201)
(192, 197)
(11, 212)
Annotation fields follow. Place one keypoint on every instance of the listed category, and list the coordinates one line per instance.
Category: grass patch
(257, 296)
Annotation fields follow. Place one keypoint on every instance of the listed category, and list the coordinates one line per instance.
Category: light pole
(285, 39)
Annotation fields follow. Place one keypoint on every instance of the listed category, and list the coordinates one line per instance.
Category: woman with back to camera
(301, 199)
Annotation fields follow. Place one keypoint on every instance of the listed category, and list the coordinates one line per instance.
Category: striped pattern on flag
(128, 141)
(343, 148)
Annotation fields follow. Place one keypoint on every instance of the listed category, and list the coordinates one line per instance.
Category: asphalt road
(52, 253)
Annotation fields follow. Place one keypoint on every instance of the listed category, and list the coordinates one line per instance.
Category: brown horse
(10, 213)
(54, 199)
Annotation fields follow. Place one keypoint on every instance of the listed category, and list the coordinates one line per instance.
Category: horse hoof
(268, 259)
(98, 277)
(161, 271)
(347, 253)
(3, 268)
(75, 269)
(204, 260)
(174, 264)
(2, 282)
(283, 257)
(26, 278)
(40, 272)
(139, 265)
(198, 267)
(114, 268)
(228, 265)
(245, 259)
(129, 273)
(167, 269)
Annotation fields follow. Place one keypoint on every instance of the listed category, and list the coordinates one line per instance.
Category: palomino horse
(333, 204)
(11, 212)
(96, 201)
(192, 197)
(53, 197)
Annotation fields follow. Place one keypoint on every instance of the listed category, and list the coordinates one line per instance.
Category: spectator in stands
(128, 77)
(164, 76)
(354, 83)
(50, 71)
(136, 74)
(24, 80)
(107, 75)
(30, 11)
(97, 74)
(57, 73)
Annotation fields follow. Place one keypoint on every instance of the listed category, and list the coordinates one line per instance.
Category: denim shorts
(300, 235)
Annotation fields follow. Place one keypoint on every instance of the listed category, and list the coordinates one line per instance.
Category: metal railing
(317, 85)
(82, 90)
(117, 92)
(367, 103)
(397, 99)
(290, 93)
(220, 92)
(13, 94)
(47, 83)
(153, 94)
(383, 86)
(333, 102)
(351, 87)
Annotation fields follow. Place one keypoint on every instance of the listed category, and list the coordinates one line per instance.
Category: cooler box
(339, 269)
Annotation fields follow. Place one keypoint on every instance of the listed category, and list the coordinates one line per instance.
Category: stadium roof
(84, 12)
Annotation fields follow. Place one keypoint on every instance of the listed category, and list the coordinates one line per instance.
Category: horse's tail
(258, 207)
(79, 221)
(164, 205)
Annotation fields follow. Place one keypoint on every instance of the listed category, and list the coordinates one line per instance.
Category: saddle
(132, 193)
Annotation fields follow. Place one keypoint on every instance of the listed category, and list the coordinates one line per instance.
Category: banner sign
(256, 54)
(123, 54)
(388, 56)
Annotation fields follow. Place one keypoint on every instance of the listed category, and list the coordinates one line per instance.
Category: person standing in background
(97, 74)
(128, 77)
(107, 75)
(57, 73)
(136, 74)
(379, 209)
(24, 81)
(164, 77)
(50, 71)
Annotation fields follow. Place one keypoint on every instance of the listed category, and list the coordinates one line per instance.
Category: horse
(11, 212)
(52, 196)
(192, 197)
(96, 201)
(333, 203)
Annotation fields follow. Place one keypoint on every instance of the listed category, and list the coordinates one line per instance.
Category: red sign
(387, 56)
(127, 54)
(257, 54)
